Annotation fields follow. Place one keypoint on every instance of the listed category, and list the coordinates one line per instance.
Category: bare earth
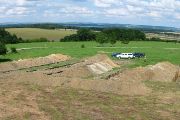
(80, 90)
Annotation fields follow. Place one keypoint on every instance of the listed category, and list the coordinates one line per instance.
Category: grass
(163, 86)
(52, 66)
(34, 33)
(63, 103)
(155, 51)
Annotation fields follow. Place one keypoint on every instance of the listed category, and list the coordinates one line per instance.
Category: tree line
(7, 38)
(111, 35)
(106, 35)
(40, 25)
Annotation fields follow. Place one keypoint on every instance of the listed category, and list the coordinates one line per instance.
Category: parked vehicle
(125, 55)
(115, 54)
(139, 55)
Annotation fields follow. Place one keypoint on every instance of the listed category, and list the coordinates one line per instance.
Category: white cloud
(146, 10)
(105, 3)
(154, 14)
(65, 10)
(16, 8)
(76, 10)
(117, 12)
(20, 2)
(177, 16)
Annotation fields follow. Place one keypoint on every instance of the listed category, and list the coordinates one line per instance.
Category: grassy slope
(155, 51)
(33, 33)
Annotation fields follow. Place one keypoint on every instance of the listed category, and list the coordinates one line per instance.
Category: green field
(155, 51)
(34, 33)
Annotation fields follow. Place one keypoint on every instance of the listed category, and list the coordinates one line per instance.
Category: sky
(138, 12)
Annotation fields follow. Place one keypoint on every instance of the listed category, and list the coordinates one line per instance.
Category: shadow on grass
(4, 60)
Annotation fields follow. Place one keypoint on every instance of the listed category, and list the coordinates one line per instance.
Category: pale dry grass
(35, 33)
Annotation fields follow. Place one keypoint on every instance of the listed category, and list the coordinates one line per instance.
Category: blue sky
(140, 12)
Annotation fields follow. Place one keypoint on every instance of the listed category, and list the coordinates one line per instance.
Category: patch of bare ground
(27, 63)
(75, 92)
(80, 76)
(16, 102)
(164, 71)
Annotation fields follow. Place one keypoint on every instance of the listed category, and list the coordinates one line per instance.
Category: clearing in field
(36, 33)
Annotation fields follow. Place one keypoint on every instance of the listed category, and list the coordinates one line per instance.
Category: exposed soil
(83, 75)
(19, 100)
(165, 72)
(27, 63)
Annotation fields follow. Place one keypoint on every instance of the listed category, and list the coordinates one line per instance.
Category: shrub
(36, 40)
(82, 46)
(13, 50)
(7, 38)
(102, 38)
(82, 35)
(3, 48)
(125, 42)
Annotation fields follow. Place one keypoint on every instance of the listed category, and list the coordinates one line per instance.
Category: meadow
(155, 51)
(34, 33)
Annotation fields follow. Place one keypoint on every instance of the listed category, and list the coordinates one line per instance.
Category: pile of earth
(130, 82)
(79, 76)
(91, 66)
(27, 63)
(164, 72)
(126, 82)
(100, 63)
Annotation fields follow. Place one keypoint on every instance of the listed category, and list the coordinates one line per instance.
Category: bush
(36, 40)
(7, 38)
(13, 50)
(125, 42)
(3, 49)
(155, 39)
(102, 38)
(82, 46)
(82, 35)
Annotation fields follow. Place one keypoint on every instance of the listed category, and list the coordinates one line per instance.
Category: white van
(125, 55)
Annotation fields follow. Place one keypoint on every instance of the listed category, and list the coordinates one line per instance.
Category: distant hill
(145, 28)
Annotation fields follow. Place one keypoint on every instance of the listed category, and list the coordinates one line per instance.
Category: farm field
(172, 36)
(35, 33)
(155, 51)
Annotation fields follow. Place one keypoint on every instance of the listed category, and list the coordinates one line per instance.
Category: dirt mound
(81, 75)
(27, 63)
(100, 63)
(86, 68)
(164, 71)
